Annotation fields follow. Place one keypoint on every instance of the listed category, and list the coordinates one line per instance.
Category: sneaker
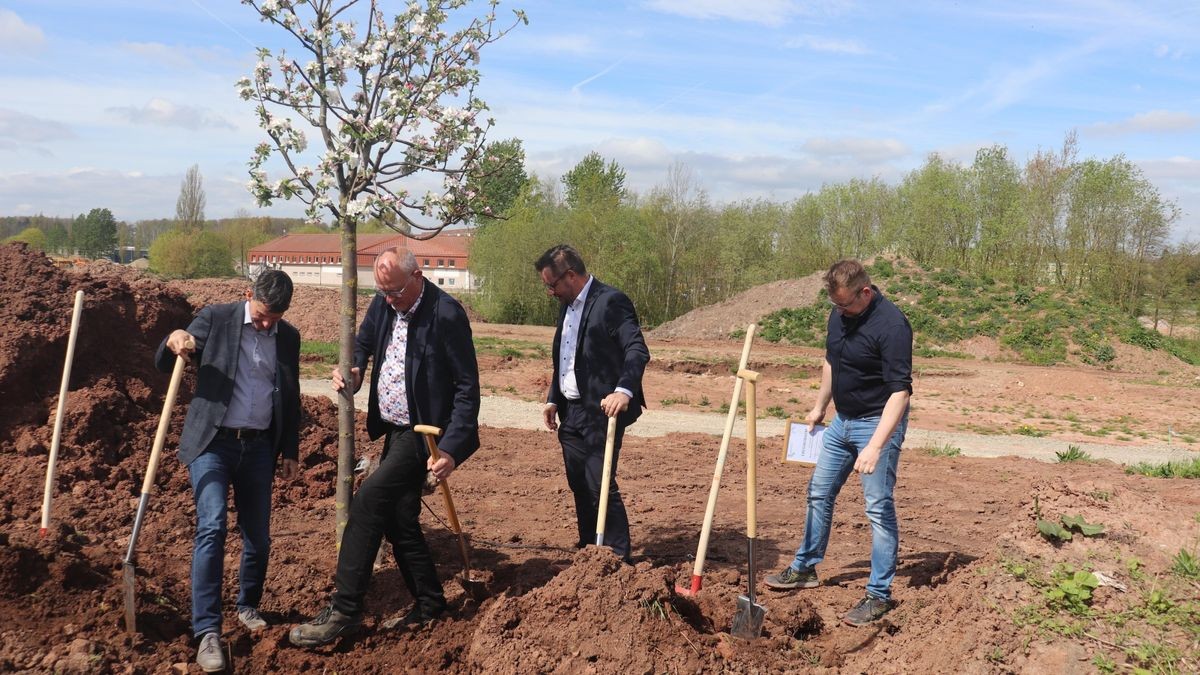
(867, 610)
(211, 655)
(790, 578)
(251, 619)
(323, 629)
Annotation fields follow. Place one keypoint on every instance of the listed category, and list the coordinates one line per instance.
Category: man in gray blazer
(244, 416)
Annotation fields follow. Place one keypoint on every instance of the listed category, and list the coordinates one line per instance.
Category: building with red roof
(316, 259)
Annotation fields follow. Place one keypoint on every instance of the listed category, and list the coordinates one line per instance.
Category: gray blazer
(217, 330)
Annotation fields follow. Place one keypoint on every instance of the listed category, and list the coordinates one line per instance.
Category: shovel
(51, 468)
(605, 477)
(748, 620)
(473, 587)
(711, 509)
(160, 438)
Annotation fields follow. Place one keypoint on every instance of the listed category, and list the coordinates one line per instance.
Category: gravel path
(498, 411)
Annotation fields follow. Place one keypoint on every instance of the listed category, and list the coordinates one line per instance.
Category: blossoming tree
(393, 104)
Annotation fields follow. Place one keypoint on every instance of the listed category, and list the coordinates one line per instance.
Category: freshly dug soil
(966, 524)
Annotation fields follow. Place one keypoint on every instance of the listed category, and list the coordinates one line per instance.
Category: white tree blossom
(388, 98)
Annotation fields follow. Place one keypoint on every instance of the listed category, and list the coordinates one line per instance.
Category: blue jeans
(249, 466)
(844, 439)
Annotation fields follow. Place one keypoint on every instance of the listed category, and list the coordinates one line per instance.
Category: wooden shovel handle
(605, 479)
(711, 509)
(164, 421)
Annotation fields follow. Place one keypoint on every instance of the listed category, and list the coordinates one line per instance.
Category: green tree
(592, 182)
(95, 234)
(391, 101)
(189, 207)
(57, 237)
(32, 236)
(242, 233)
(190, 254)
(995, 189)
(937, 225)
(500, 176)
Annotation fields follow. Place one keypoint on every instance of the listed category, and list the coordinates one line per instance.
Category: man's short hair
(560, 259)
(273, 288)
(848, 274)
(405, 260)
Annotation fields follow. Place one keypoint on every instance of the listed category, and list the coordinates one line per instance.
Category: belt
(230, 434)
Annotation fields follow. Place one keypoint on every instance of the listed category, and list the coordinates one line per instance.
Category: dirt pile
(600, 614)
(719, 321)
(114, 401)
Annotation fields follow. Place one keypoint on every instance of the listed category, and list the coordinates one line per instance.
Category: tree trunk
(346, 326)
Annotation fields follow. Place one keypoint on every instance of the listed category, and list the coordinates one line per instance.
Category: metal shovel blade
(748, 621)
(130, 603)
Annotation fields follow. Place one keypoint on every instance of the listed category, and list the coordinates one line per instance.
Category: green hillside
(1043, 325)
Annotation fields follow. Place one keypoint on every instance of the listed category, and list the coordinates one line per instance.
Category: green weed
(1073, 592)
(1029, 430)
(1073, 454)
(776, 411)
(944, 450)
(1185, 564)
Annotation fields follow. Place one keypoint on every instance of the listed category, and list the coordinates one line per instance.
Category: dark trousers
(582, 437)
(388, 504)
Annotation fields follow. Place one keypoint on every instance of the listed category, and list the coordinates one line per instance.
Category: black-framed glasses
(551, 285)
(852, 299)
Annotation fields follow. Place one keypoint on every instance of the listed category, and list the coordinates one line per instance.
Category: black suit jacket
(441, 375)
(610, 353)
(217, 330)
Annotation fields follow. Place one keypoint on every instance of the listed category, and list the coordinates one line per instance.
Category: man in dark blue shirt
(868, 375)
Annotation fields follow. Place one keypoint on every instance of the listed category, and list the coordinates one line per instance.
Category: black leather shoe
(419, 617)
(325, 627)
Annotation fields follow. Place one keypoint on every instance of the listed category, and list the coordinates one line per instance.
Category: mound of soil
(971, 581)
(719, 321)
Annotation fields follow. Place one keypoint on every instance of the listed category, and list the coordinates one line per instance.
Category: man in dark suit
(599, 358)
(244, 416)
(425, 373)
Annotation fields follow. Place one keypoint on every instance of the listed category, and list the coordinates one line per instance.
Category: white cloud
(817, 43)
(130, 195)
(869, 150)
(16, 35)
(163, 113)
(1154, 121)
(766, 12)
(21, 127)
(1173, 168)
(1164, 51)
(174, 56)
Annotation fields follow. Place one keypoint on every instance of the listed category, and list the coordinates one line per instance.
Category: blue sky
(108, 103)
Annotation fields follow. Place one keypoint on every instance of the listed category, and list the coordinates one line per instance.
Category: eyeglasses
(552, 284)
(853, 299)
(394, 295)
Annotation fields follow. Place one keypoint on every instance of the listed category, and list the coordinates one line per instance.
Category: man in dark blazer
(424, 373)
(599, 358)
(244, 416)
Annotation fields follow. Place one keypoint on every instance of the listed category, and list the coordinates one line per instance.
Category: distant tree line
(188, 246)
(1094, 226)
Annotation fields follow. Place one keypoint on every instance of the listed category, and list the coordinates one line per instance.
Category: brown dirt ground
(965, 523)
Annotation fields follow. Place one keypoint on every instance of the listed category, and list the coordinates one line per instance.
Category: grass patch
(1182, 469)
(510, 349)
(944, 450)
